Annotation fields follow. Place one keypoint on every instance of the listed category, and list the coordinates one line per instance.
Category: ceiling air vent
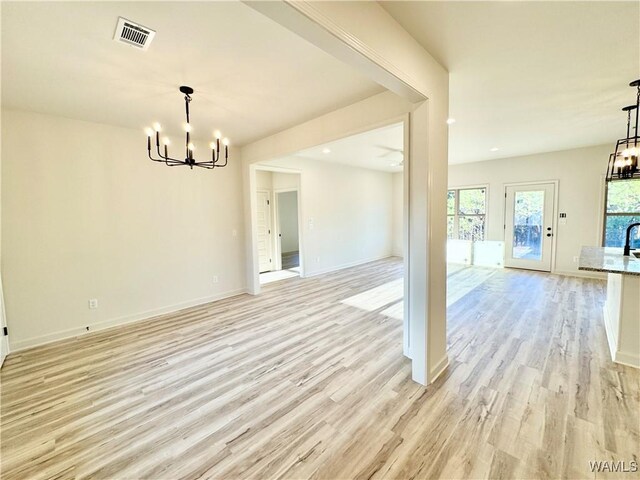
(133, 34)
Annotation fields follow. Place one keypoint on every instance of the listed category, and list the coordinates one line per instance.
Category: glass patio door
(529, 226)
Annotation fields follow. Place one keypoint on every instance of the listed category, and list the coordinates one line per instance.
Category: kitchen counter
(622, 308)
(608, 260)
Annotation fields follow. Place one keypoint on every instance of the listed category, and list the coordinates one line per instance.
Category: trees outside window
(466, 213)
(622, 209)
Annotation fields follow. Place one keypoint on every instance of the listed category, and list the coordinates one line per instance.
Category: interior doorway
(529, 226)
(278, 233)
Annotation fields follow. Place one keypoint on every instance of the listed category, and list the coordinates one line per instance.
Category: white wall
(87, 215)
(580, 173)
(264, 180)
(347, 213)
(287, 181)
(288, 221)
(398, 218)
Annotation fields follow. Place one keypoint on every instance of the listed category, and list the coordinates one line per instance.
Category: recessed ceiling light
(326, 150)
(451, 121)
(494, 149)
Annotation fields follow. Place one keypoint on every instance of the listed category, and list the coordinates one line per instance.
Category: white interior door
(529, 226)
(264, 232)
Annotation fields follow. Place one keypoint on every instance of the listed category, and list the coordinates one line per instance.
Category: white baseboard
(440, 367)
(118, 321)
(628, 359)
(345, 265)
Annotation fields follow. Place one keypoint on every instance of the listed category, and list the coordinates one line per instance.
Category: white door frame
(406, 237)
(554, 220)
(278, 247)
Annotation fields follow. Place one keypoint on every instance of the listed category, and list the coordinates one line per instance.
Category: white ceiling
(530, 77)
(251, 76)
(379, 149)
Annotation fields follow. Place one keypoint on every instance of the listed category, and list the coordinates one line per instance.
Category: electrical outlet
(575, 259)
(93, 303)
(215, 279)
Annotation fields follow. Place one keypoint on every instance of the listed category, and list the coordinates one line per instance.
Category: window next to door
(467, 213)
(622, 207)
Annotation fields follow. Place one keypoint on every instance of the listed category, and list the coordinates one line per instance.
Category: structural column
(427, 253)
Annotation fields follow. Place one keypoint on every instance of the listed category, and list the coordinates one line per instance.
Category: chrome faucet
(627, 245)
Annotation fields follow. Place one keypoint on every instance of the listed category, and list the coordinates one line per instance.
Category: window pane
(450, 227)
(451, 202)
(471, 228)
(616, 230)
(623, 196)
(527, 224)
(472, 201)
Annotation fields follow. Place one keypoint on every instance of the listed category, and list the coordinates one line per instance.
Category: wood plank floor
(296, 384)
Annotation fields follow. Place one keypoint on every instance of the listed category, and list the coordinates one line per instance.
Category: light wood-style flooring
(295, 383)
(290, 260)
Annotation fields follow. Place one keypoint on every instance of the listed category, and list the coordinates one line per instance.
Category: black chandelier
(623, 163)
(189, 147)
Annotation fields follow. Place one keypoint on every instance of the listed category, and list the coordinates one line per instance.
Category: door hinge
(5, 331)
(269, 231)
(268, 202)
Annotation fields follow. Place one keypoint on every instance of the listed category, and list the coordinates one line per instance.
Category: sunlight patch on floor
(377, 297)
(394, 311)
(461, 279)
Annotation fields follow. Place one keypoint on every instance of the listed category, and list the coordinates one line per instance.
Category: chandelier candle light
(623, 163)
(189, 147)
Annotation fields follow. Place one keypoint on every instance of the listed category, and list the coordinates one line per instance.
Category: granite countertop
(607, 259)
